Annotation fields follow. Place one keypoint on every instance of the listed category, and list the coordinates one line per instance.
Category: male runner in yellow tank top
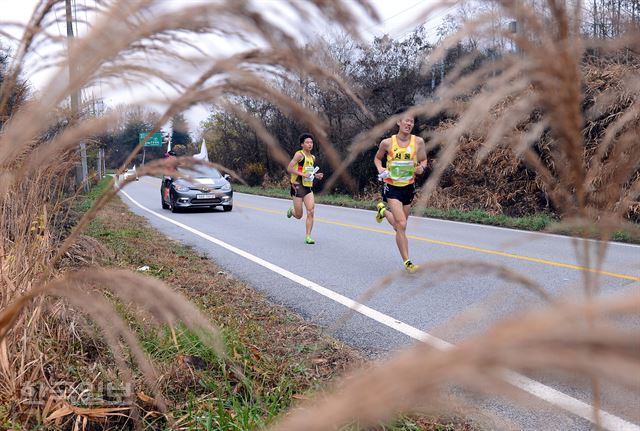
(303, 172)
(406, 157)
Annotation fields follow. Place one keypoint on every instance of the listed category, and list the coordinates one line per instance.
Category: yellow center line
(462, 246)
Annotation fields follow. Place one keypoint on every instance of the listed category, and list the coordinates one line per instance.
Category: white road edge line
(579, 408)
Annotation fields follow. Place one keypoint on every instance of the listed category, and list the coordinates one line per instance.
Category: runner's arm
(382, 151)
(422, 156)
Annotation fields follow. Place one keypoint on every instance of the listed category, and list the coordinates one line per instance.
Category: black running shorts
(300, 191)
(404, 194)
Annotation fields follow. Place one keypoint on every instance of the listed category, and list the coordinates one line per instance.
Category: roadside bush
(254, 173)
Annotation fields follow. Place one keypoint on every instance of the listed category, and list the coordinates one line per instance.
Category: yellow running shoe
(380, 213)
(309, 240)
(410, 267)
(289, 212)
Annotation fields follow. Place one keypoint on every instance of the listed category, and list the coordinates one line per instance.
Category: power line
(395, 15)
(403, 11)
(55, 13)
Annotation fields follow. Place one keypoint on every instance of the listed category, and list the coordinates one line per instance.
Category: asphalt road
(258, 244)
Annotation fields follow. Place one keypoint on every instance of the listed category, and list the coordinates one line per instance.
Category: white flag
(203, 154)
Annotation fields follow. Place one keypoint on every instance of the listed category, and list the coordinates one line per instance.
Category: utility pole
(514, 29)
(433, 79)
(99, 164)
(82, 172)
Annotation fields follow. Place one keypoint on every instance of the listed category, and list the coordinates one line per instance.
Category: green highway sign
(154, 141)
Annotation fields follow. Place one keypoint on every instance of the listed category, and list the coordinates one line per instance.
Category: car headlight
(226, 188)
(180, 187)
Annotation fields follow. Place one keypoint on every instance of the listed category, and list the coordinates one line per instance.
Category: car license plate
(208, 196)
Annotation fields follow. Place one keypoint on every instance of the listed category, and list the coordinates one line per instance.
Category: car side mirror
(227, 177)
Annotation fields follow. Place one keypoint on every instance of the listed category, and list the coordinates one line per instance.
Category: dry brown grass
(499, 184)
(553, 89)
(597, 185)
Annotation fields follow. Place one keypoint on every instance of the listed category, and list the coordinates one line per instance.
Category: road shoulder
(286, 354)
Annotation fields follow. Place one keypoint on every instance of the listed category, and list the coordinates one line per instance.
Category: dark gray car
(199, 187)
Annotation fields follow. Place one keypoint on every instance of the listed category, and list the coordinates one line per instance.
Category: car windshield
(200, 172)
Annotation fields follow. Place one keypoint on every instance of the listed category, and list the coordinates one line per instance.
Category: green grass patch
(125, 243)
(341, 200)
(623, 237)
(274, 192)
(536, 222)
(218, 398)
(93, 194)
(346, 201)
(161, 346)
(628, 236)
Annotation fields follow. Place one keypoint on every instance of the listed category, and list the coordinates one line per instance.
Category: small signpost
(155, 140)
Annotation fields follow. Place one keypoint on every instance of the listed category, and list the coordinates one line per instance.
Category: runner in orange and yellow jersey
(405, 157)
(303, 173)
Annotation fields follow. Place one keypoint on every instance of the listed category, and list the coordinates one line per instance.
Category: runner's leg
(398, 219)
(297, 207)
(309, 203)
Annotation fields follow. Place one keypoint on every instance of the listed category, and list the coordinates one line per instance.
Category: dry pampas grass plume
(586, 338)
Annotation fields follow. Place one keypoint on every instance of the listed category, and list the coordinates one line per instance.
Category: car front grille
(205, 189)
(206, 201)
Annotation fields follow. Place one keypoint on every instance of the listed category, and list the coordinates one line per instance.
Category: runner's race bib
(307, 170)
(402, 170)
